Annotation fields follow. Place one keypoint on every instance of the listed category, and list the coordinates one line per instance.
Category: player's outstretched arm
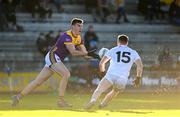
(137, 80)
(90, 54)
(102, 63)
(73, 51)
(93, 54)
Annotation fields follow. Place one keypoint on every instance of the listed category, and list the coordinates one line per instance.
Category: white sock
(93, 100)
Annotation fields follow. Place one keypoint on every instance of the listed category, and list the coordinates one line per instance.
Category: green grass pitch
(125, 105)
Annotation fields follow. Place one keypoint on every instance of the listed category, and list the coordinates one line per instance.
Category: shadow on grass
(135, 112)
(74, 109)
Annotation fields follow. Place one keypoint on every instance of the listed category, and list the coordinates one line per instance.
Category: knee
(66, 75)
(98, 90)
(37, 83)
(116, 91)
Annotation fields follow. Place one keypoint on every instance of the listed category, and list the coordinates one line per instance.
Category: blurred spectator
(91, 42)
(26, 5)
(45, 42)
(168, 2)
(3, 21)
(9, 8)
(50, 39)
(42, 8)
(90, 72)
(104, 9)
(59, 6)
(34, 6)
(42, 44)
(9, 11)
(153, 10)
(174, 12)
(165, 59)
(150, 9)
(45, 9)
(90, 39)
(164, 8)
(142, 6)
(8, 70)
(31, 6)
(59, 33)
(120, 9)
(92, 6)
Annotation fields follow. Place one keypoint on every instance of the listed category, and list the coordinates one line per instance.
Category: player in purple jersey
(69, 43)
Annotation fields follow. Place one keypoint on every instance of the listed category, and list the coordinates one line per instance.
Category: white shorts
(51, 58)
(118, 82)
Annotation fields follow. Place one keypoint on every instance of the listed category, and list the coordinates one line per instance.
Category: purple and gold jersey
(60, 46)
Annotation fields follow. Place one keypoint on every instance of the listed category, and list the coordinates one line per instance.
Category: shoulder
(134, 53)
(114, 48)
(66, 37)
(65, 34)
(132, 50)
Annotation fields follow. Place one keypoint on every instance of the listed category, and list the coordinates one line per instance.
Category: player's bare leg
(108, 98)
(42, 76)
(61, 70)
(102, 87)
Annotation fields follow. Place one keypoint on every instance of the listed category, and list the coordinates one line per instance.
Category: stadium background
(20, 60)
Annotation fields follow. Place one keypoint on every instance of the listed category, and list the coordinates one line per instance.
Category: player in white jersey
(121, 60)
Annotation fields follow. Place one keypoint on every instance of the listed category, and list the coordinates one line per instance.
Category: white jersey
(121, 60)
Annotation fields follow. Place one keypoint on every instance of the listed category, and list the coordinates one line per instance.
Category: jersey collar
(73, 34)
(122, 45)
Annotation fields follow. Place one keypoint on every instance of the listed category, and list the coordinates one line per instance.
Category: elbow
(73, 53)
(100, 65)
(142, 66)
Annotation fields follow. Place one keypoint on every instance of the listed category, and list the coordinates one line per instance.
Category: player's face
(77, 28)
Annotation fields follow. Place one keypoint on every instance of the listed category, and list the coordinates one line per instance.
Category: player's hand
(93, 54)
(102, 74)
(137, 81)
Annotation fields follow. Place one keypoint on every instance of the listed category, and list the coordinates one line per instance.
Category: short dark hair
(76, 20)
(123, 38)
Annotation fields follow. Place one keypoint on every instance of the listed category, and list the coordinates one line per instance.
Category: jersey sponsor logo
(68, 39)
